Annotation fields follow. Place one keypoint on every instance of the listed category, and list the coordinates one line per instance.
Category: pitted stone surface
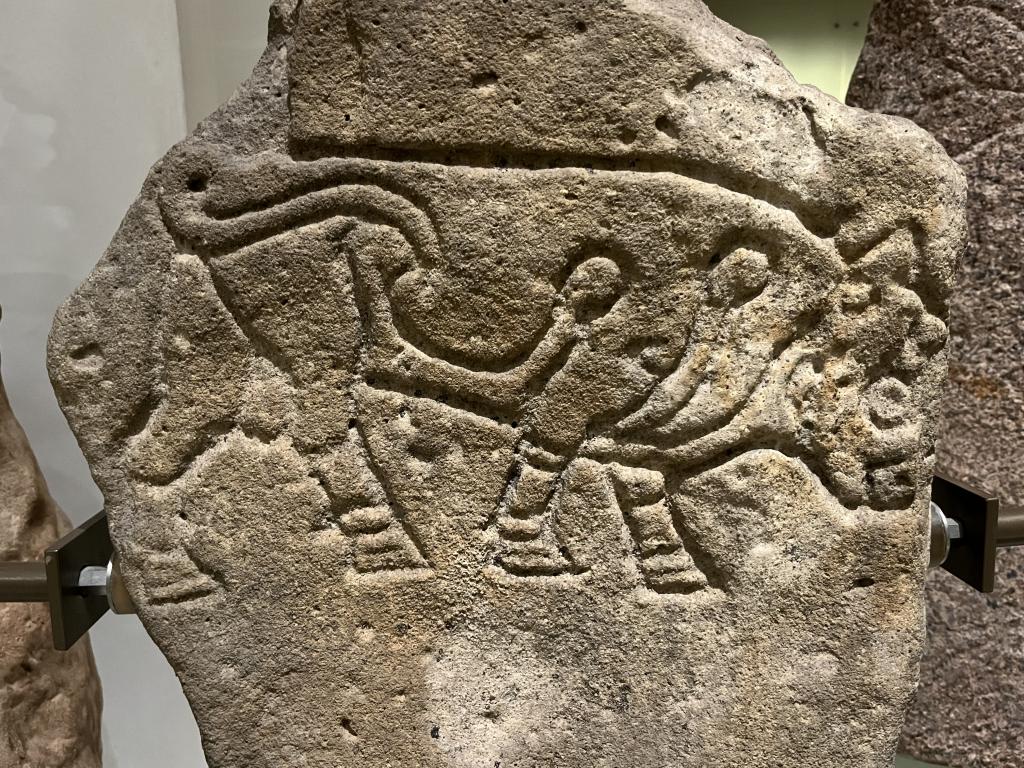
(50, 700)
(955, 68)
(514, 384)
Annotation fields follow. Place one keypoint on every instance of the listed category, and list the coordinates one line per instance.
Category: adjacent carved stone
(50, 700)
(511, 383)
(954, 68)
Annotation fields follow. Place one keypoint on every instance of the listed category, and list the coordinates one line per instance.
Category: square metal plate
(71, 612)
(972, 557)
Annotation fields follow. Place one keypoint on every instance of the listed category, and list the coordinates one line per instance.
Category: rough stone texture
(957, 69)
(522, 384)
(50, 701)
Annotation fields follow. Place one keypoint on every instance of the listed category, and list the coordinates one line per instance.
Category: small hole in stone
(581, 27)
(665, 125)
(86, 350)
(435, 732)
(483, 79)
(864, 581)
(197, 182)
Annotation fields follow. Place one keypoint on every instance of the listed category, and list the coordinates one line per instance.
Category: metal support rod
(1010, 529)
(117, 593)
(26, 582)
(23, 582)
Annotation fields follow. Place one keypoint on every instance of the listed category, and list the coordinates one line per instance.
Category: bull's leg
(527, 516)
(664, 562)
(360, 508)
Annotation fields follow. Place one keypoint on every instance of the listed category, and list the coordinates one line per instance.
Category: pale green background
(817, 40)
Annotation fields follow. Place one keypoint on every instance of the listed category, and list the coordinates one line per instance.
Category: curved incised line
(214, 228)
(238, 226)
(215, 236)
(211, 237)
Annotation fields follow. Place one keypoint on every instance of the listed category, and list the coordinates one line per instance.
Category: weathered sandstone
(525, 384)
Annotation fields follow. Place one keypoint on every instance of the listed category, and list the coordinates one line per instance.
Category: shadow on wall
(220, 44)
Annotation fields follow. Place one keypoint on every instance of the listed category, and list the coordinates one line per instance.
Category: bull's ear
(759, 295)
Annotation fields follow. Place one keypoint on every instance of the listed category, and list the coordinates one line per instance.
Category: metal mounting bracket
(78, 577)
(969, 525)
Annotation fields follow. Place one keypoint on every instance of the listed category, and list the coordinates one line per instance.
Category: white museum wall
(92, 92)
(90, 96)
(220, 42)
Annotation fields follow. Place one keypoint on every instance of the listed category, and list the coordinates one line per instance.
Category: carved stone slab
(512, 383)
(954, 68)
(50, 700)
